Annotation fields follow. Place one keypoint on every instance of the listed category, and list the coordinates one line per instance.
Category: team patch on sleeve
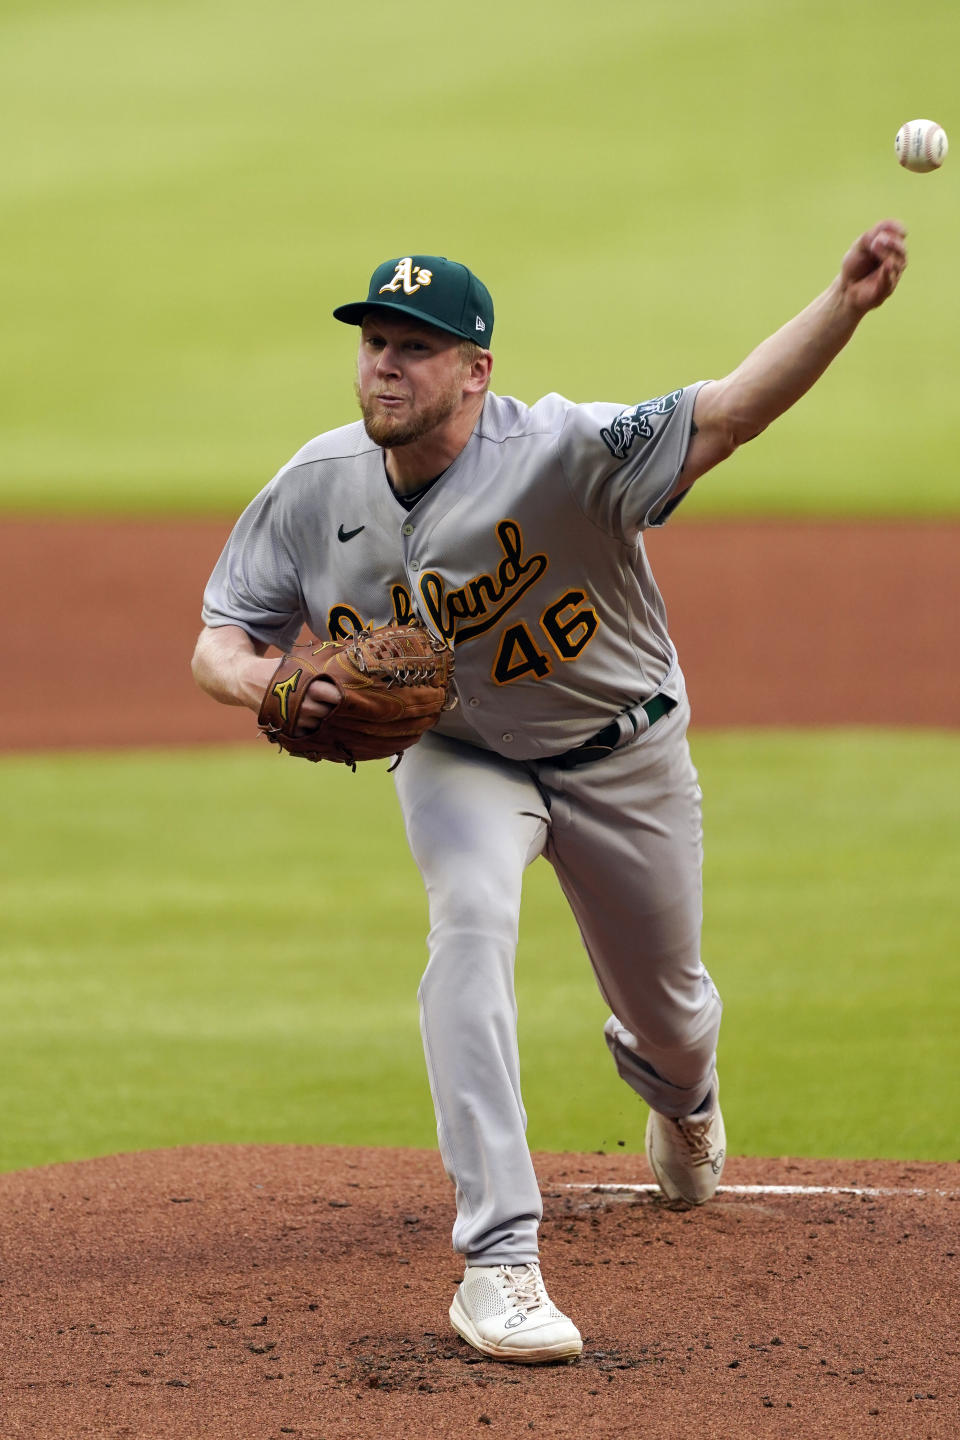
(631, 425)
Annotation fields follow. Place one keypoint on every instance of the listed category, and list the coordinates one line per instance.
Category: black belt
(608, 739)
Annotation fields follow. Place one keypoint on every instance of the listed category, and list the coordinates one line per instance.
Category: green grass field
(196, 953)
(648, 190)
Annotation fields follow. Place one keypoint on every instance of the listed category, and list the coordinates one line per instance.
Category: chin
(387, 432)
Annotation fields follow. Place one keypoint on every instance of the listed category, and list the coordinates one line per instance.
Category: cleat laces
(523, 1286)
(696, 1138)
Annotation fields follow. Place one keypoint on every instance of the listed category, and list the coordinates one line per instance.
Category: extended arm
(234, 668)
(773, 377)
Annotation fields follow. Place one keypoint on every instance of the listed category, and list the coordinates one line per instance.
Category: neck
(411, 466)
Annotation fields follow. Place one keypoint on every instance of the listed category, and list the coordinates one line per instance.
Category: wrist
(840, 298)
(847, 304)
(251, 678)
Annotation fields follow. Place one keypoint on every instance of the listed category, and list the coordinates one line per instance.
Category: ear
(478, 376)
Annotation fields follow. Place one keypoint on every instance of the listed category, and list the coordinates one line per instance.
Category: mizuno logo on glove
(284, 689)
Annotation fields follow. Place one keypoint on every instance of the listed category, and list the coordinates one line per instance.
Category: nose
(388, 361)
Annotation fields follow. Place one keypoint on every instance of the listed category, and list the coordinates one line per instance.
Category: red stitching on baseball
(904, 156)
(934, 146)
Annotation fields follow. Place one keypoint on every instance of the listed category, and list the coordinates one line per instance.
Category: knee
(472, 946)
(670, 1026)
(473, 906)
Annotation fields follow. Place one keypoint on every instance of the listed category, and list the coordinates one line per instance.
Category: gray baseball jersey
(526, 554)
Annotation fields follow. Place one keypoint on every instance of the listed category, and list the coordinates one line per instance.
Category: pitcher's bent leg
(474, 822)
(626, 842)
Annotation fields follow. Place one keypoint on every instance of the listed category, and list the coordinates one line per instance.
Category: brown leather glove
(394, 682)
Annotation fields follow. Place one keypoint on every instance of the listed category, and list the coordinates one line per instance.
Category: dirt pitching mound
(248, 1293)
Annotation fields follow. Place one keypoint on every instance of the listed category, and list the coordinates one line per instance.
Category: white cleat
(504, 1311)
(687, 1155)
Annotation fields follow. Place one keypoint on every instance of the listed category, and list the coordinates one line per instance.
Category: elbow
(740, 427)
(728, 438)
(728, 418)
(723, 441)
(749, 432)
(199, 666)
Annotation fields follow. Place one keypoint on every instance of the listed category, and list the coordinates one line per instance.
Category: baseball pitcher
(508, 539)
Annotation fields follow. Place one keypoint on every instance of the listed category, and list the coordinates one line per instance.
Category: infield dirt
(802, 624)
(241, 1294)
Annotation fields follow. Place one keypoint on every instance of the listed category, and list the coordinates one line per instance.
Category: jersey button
(414, 564)
(408, 529)
(507, 736)
(473, 700)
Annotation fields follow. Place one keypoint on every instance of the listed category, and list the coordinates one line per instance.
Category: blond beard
(390, 430)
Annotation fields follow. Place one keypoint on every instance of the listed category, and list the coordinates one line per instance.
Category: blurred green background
(192, 951)
(648, 190)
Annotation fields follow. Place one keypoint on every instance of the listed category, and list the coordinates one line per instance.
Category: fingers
(874, 263)
(880, 285)
(321, 696)
(887, 280)
(887, 243)
(892, 229)
(892, 254)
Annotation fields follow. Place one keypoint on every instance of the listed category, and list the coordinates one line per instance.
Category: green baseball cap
(431, 289)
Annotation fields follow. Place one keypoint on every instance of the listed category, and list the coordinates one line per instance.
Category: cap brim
(353, 315)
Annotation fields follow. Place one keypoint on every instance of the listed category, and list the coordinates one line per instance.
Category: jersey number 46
(569, 624)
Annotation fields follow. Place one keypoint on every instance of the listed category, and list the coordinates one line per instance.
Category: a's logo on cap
(403, 278)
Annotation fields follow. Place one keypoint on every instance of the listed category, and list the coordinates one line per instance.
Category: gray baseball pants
(624, 836)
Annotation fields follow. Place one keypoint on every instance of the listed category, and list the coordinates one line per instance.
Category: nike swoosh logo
(349, 534)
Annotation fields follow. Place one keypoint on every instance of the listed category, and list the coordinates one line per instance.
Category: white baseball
(921, 145)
